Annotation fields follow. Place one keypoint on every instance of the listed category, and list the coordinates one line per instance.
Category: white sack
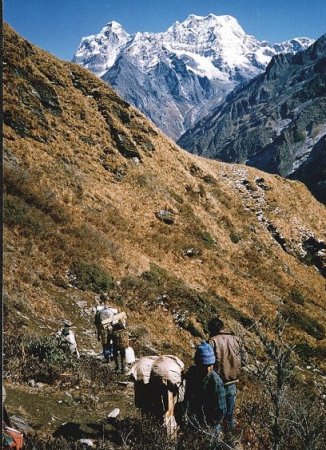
(130, 355)
(141, 370)
(168, 368)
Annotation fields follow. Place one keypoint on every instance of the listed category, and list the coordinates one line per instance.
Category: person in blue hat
(205, 393)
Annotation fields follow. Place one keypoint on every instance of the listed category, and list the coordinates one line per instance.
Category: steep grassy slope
(97, 199)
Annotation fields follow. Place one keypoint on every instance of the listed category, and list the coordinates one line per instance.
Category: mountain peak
(114, 27)
(113, 24)
(221, 19)
(102, 49)
(211, 19)
(191, 66)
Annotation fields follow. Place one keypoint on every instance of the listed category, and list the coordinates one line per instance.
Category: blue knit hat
(205, 354)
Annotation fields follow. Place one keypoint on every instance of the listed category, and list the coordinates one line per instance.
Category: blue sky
(58, 25)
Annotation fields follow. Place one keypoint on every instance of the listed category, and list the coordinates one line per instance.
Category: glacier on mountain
(178, 76)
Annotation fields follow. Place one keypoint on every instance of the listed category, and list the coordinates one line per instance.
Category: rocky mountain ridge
(276, 122)
(179, 75)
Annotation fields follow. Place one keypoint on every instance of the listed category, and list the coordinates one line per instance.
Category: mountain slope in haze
(176, 77)
(276, 122)
(96, 198)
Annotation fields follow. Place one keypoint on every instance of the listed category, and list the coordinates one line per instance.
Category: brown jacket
(230, 355)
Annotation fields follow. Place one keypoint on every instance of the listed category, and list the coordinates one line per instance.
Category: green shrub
(297, 297)
(48, 348)
(302, 321)
(16, 212)
(209, 179)
(308, 259)
(235, 237)
(130, 283)
(155, 274)
(307, 352)
(208, 239)
(43, 359)
(90, 276)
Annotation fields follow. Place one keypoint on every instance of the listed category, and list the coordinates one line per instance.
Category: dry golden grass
(63, 160)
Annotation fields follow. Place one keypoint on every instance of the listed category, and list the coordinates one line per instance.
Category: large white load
(110, 318)
(165, 367)
(141, 370)
(168, 368)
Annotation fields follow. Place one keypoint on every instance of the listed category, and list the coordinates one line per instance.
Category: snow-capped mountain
(178, 76)
(99, 52)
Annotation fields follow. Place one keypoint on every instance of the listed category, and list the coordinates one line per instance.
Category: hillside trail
(73, 410)
(80, 414)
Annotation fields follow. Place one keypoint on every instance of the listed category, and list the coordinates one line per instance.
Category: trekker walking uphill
(158, 384)
(111, 331)
(103, 322)
(120, 339)
(230, 358)
(205, 395)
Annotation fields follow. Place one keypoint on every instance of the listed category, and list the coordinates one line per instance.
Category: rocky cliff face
(276, 122)
(180, 75)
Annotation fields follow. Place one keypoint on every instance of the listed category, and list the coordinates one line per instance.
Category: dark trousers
(230, 397)
(122, 352)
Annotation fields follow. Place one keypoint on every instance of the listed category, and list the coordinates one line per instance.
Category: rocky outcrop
(312, 171)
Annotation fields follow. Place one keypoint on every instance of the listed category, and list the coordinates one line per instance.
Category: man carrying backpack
(230, 358)
(120, 339)
(205, 394)
(104, 313)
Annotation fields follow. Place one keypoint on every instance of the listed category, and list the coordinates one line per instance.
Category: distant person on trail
(230, 358)
(69, 338)
(205, 404)
(120, 339)
(104, 332)
(111, 330)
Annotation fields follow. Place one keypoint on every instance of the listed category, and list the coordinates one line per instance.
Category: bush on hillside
(42, 359)
(17, 213)
(90, 276)
(235, 237)
(307, 352)
(297, 297)
(304, 322)
(208, 240)
(25, 184)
